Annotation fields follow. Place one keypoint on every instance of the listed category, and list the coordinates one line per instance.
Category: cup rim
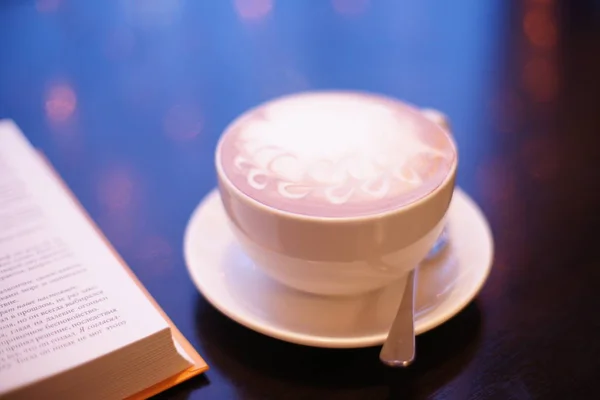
(316, 218)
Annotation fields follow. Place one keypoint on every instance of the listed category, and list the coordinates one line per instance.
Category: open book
(74, 320)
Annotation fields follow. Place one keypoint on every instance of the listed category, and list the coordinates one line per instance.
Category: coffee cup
(336, 193)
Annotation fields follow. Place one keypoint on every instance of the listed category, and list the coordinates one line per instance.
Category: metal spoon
(399, 347)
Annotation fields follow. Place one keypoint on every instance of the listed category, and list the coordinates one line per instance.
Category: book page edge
(199, 365)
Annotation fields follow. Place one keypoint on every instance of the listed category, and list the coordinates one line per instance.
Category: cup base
(339, 278)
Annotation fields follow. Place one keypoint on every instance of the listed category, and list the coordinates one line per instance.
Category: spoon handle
(399, 347)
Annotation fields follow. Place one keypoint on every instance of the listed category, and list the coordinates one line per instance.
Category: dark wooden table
(127, 99)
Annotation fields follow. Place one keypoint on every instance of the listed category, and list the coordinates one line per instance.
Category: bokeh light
(350, 7)
(47, 6)
(151, 13)
(540, 75)
(539, 27)
(253, 9)
(61, 102)
(116, 188)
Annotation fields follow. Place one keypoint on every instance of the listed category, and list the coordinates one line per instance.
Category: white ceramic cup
(337, 256)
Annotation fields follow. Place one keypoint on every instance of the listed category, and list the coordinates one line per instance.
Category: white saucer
(233, 285)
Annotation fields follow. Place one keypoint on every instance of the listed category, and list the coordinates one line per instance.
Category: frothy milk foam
(335, 154)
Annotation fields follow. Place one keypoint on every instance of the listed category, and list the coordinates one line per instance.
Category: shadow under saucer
(255, 361)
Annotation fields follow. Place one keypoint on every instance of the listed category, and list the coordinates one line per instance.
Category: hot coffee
(336, 154)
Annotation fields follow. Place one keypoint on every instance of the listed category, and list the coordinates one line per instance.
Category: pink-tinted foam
(335, 154)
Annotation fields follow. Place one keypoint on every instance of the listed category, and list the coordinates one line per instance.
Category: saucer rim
(429, 321)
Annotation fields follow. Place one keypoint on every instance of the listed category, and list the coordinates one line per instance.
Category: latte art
(314, 153)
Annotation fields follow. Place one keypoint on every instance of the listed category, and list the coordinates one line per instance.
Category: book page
(64, 297)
